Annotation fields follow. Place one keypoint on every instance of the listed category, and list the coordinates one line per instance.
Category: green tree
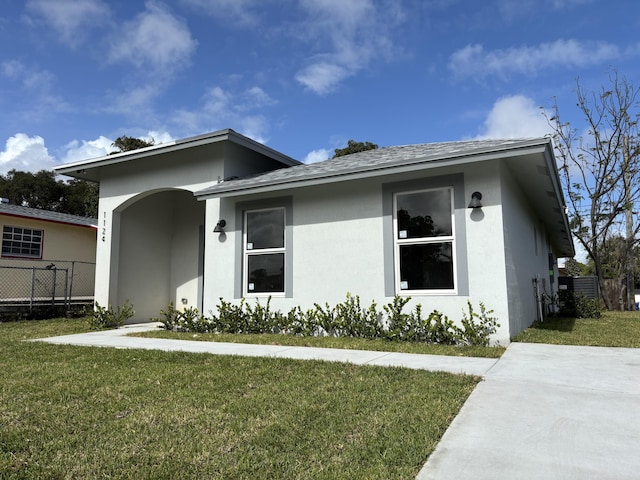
(35, 190)
(42, 190)
(354, 147)
(126, 144)
(599, 169)
(613, 262)
(574, 268)
(80, 198)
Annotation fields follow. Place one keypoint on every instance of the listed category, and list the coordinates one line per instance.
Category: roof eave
(51, 220)
(76, 169)
(235, 188)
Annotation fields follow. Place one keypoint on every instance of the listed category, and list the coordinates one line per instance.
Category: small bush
(101, 318)
(397, 322)
(351, 320)
(169, 318)
(478, 327)
(578, 306)
(441, 330)
(348, 318)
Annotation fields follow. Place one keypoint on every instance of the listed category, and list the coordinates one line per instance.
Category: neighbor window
(21, 242)
(264, 251)
(424, 241)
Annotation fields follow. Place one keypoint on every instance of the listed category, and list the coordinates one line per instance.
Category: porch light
(475, 200)
(220, 226)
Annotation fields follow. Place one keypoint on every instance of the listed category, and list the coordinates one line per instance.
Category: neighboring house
(221, 216)
(45, 255)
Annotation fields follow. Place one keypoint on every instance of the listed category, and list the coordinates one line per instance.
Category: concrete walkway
(542, 411)
(119, 339)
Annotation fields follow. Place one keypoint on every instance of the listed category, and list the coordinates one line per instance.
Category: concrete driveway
(547, 412)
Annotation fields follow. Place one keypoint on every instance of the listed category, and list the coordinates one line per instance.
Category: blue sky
(302, 76)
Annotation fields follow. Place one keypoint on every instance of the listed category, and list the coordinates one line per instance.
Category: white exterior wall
(526, 253)
(338, 245)
(219, 256)
(137, 208)
(485, 245)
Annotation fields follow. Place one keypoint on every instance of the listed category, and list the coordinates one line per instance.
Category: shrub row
(348, 318)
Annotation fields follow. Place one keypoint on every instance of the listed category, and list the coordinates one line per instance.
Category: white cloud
(515, 116)
(217, 101)
(134, 101)
(40, 80)
(158, 137)
(228, 109)
(71, 19)
(25, 153)
(256, 97)
(318, 155)
(77, 150)
(350, 35)
(254, 127)
(322, 78)
(558, 4)
(39, 101)
(239, 11)
(475, 61)
(155, 39)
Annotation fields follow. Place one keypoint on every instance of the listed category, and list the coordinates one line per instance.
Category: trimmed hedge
(348, 318)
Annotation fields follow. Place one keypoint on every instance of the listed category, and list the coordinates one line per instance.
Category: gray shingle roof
(46, 215)
(380, 160)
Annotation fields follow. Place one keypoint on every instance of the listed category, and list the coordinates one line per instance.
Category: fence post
(53, 290)
(73, 271)
(67, 302)
(33, 288)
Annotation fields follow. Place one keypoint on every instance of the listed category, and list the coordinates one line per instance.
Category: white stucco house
(222, 216)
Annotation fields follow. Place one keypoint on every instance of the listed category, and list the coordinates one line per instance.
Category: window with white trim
(264, 251)
(21, 242)
(424, 238)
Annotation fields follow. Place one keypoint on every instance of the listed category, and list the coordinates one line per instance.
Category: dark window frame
(15, 245)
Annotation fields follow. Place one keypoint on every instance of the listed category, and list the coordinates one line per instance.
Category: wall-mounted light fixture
(475, 200)
(220, 226)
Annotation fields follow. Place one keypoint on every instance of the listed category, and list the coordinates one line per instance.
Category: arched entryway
(160, 251)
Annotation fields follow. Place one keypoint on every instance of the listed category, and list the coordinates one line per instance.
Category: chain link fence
(45, 287)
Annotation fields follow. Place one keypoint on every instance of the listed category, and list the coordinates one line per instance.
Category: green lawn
(84, 412)
(614, 329)
(331, 342)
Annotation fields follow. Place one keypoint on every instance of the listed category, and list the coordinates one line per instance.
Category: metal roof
(47, 215)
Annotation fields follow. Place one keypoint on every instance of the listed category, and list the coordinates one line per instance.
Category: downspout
(536, 290)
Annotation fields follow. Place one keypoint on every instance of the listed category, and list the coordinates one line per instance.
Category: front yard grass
(85, 412)
(614, 329)
(379, 345)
